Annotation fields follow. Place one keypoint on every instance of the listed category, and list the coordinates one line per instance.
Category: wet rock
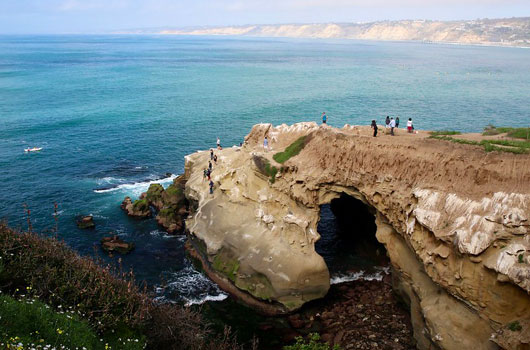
(85, 221)
(296, 322)
(115, 244)
(154, 196)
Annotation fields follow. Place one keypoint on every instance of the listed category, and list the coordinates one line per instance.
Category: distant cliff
(505, 32)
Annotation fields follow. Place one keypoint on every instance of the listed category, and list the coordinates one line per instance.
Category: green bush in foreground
(312, 344)
(29, 323)
(108, 300)
(292, 150)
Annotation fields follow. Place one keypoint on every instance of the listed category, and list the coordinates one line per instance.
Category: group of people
(391, 123)
(207, 174)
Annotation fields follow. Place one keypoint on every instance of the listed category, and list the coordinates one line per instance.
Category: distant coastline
(510, 32)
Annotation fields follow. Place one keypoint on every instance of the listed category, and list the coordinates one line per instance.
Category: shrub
(292, 150)
(514, 326)
(445, 132)
(518, 133)
(313, 344)
(29, 321)
(108, 298)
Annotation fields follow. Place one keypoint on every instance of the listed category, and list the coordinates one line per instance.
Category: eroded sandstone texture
(454, 220)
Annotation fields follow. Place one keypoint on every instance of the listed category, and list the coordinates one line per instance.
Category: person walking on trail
(324, 118)
(409, 126)
(208, 174)
(374, 126)
(387, 122)
(392, 126)
(210, 165)
(266, 143)
(211, 187)
(211, 154)
(215, 159)
(205, 173)
(397, 122)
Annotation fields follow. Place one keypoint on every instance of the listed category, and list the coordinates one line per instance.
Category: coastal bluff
(454, 221)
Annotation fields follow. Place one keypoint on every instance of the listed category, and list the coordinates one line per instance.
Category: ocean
(116, 113)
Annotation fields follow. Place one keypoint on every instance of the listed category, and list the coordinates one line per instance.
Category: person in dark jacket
(374, 126)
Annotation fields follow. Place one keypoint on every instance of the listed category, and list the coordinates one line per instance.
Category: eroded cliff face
(453, 218)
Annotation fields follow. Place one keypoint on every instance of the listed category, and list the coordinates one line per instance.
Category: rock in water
(138, 209)
(171, 204)
(154, 196)
(85, 221)
(115, 244)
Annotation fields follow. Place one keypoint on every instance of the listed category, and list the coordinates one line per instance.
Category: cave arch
(347, 228)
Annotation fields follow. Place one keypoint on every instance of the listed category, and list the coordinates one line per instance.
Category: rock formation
(115, 244)
(453, 218)
(85, 221)
(170, 203)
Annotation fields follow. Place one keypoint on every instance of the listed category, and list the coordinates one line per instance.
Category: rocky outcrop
(170, 203)
(453, 218)
(115, 244)
(85, 221)
(138, 209)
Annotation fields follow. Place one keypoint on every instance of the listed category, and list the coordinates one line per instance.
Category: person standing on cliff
(211, 154)
(374, 126)
(387, 123)
(397, 122)
(392, 126)
(409, 126)
(266, 143)
(211, 187)
(218, 143)
(210, 165)
(324, 118)
(215, 159)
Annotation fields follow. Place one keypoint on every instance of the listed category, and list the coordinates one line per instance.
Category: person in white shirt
(409, 125)
(392, 126)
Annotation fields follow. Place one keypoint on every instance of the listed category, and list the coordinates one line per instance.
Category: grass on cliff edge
(445, 132)
(518, 133)
(28, 323)
(292, 150)
(510, 146)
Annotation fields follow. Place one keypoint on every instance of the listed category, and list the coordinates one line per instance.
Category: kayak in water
(34, 149)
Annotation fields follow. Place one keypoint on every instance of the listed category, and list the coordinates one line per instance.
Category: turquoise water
(115, 112)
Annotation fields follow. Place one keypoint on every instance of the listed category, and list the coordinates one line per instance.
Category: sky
(100, 16)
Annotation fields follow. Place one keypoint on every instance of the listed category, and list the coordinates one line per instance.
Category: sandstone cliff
(453, 218)
(507, 32)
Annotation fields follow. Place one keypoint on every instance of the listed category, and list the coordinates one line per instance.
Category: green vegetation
(28, 323)
(141, 205)
(271, 172)
(154, 192)
(265, 167)
(445, 132)
(520, 259)
(515, 326)
(226, 264)
(292, 150)
(518, 133)
(313, 344)
(511, 146)
(173, 190)
(105, 299)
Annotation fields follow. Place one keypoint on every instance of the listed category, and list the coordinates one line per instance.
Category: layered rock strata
(454, 220)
